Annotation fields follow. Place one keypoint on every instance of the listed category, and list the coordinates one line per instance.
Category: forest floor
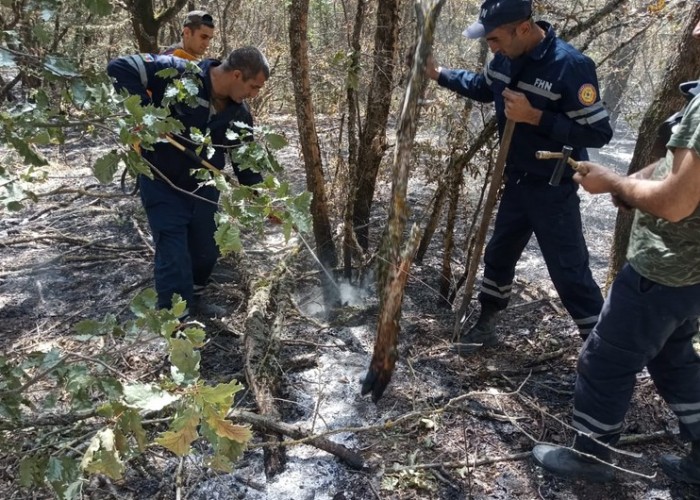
(74, 256)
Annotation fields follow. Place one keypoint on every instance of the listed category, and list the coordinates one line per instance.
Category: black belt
(523, 177)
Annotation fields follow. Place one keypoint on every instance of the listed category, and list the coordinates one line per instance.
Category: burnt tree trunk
(395, 261)
(265, 319)
(261, 345)
(353, 146)
(682, 67)
(147, 23)
(454, 185)
(373, 138)
(315, 183)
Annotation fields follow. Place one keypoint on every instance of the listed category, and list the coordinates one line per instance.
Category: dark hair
(513, 26)
(198, 18)
(249, 61)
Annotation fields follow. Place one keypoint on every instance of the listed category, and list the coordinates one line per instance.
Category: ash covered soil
(74, 255)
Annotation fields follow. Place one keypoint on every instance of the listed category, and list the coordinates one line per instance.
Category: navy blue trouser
(183, 230)
(530, 205)
(642, 324)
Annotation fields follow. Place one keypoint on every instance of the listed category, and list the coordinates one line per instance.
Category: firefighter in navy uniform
(550, 90)
(183, 226)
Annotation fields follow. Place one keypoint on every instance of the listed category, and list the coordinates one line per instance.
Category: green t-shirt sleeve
(687, 134)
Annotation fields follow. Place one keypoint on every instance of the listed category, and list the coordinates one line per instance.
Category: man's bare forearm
(673, 198)
(646, 172)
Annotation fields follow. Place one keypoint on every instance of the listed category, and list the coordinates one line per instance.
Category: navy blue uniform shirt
(137, 74)
(557, 79)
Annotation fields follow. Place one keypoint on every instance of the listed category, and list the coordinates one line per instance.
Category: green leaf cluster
(145, 125)
(183, 87)
(249, 207)
(61, 473)
(256, 155)
(16, 183)
(118, 408)
(12, 378)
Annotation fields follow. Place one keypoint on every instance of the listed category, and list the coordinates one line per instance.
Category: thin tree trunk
(683, 66)
(615, 82)
(462, 159)
(435, 216)
(146, 23)
(228, 11)
(315, 183)
(353, 119)
(470, 236)
(373, 140)
(396, 261)
(489, 205)
(454, 183)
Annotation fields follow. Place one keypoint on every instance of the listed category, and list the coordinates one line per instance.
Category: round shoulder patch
(587, 94)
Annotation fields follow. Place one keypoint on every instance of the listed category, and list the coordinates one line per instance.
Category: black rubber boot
(567, 463)
(482, 334)
(201, 307)
(685, 469)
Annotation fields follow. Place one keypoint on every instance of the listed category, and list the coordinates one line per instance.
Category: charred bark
(373, 138)
(315, 182)
(262, 326)
(396, 261)
(683, 66)
(353, 146)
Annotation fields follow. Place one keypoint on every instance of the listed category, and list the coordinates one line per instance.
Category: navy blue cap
(198, 18)
(495, 13)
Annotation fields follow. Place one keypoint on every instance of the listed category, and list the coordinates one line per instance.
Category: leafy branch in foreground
(96, 415)
(73, 100)
(239, 206)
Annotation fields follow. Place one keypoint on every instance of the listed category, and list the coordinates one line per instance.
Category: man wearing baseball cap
(197, 33)
(498, 13)
(550, 90)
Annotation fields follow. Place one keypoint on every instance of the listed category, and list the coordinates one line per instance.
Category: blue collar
(231, 111)
(205, 66)
(541, 49)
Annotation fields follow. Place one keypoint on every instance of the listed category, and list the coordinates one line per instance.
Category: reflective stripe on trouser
(183, 232)
(553, 215)
(642, 324)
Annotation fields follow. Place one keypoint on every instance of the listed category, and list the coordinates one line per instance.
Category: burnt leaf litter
(73, 256)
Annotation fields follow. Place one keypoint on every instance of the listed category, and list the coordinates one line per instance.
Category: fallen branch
(547, 356)
(261, 345)
(48, 420)
(268, 425)
(625, 440)
(463, 463)
(82, 192)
